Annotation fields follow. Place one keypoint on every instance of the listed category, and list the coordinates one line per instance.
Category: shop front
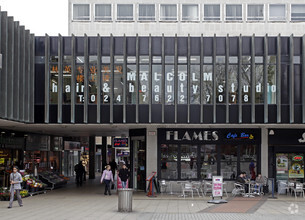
(11, 153)
(286, 154)
(199, 154)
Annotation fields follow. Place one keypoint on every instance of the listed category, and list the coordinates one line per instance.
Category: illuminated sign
(297, 158)
(237, 136)
(120, 142)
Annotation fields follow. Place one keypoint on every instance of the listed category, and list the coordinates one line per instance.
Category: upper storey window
(277, 12)
(168, 12)
(255, 12)
(212, 12)
(234, 12)
(147, 12)
(81, 12)
(297, 12)
(103, 12)
(190, 13)
(125, 12)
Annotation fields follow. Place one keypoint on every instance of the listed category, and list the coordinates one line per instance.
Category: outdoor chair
(224, 188)
(187, 187)
(239, 189)
(196, 187)
(207, 187)
(163, 186)
(298, 189)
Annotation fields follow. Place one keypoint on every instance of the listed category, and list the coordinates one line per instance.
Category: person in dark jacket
(79, 170)
(241, 179)
(124, 175)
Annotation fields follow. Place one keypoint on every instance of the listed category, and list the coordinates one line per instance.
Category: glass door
(138, 145)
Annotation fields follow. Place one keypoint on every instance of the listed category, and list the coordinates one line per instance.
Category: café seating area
(292, 188)
(188, 188)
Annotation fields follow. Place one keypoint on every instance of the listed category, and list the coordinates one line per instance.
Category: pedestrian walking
(107, 177)
(79, 170)
(124, 175)
(15, 180)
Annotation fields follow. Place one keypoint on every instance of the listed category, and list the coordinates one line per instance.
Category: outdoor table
(249, 194)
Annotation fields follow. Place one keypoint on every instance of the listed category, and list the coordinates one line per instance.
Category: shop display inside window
(169, 156)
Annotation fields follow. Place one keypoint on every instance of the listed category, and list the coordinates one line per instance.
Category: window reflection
(208, 155)
(169, 156)
(188, 162)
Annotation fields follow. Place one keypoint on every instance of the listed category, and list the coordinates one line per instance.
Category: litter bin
(125, 200)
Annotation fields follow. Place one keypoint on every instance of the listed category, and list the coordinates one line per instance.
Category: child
(107, 177)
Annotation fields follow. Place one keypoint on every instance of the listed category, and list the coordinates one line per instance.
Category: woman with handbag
(107, 177)
(15, 180)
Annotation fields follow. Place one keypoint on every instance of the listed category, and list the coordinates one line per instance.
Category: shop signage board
(38, 142)
(217, 186)
(120, 142)
(286, 137)
(217, 190)
(72, 145)
(210, 136)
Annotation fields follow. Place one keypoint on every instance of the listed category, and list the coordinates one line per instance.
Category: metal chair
(196, 187)
(239, 189)
(207, 187)
(187, 187)
(298, 189)
(163, 186)
(224, 188)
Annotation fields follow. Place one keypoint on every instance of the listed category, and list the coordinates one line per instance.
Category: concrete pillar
(92, 150)
(264, 152)
(104, 152)
(152, 151)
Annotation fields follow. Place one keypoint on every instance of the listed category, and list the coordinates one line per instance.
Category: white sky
(39, 16)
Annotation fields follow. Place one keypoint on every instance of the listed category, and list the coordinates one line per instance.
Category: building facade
(197, 17)
(192, 105)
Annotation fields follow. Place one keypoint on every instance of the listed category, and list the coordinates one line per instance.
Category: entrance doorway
(138, 160)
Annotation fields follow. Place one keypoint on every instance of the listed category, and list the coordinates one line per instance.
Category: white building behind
(184, 17)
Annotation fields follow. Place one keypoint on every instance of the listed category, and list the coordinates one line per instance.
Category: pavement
(89, 202)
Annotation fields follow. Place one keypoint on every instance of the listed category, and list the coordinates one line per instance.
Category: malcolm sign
(209, 135)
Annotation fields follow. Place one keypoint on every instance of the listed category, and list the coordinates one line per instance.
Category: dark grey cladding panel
(156, 46)
(169, 46)
(272, 45)
(67, 46)
(220, 46)
(246, 48)
(118, 45)
(130, 46)
(40, 47)
(144, 45)
(259, 46)
(233, 46)
(297, 84)
(208, 46)
(285, 45)
(92, 45)
(79, 46)
(182, 46)
(297, 46)
(105, 46)
(195, 46)
(53, 46)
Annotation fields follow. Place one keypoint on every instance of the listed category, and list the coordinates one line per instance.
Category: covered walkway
(89, 202)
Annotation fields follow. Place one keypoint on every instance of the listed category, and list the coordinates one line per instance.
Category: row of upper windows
(189, 12)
